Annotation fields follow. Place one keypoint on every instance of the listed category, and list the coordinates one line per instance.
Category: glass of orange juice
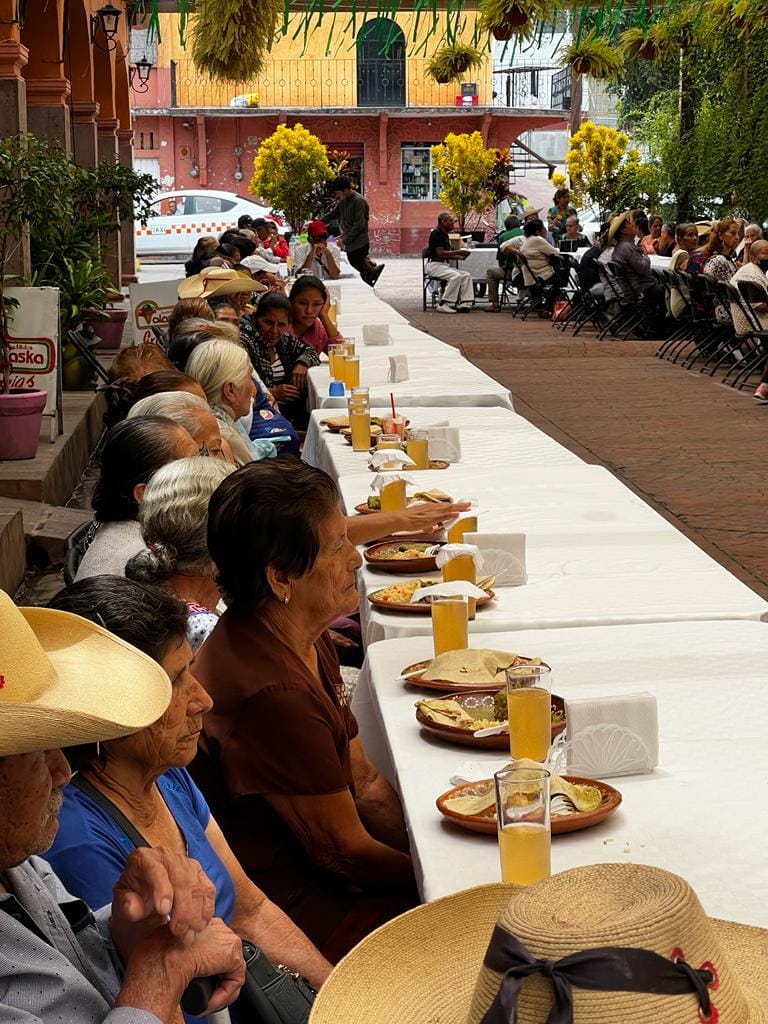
(462, 567)
(336, 361)
(417, 447)
(360, 424)
(522, 816)
(450, 628)
(349, 346)
(529, 709)
(388, 442)
(393, 496)
(352, 371)
(467, 524)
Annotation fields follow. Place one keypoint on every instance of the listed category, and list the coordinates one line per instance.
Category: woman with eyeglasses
(318, 256)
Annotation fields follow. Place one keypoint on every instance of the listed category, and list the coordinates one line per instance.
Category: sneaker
(465, 307)
(761, 395)
(443, 308)
(376, 274)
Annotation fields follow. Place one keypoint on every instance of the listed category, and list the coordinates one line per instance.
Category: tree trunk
(687, 108)
(577, 93)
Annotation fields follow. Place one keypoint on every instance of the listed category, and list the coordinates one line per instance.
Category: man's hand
(286, 393)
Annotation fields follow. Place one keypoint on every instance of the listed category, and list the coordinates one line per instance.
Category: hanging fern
(451, 62)
(232, 37)
(635, 43)
(507, 18)
(594, 56)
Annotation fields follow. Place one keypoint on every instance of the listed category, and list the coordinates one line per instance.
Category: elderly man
(59, 963)
(458, 294)
(505, 260)
(634, 267)
(572, 238)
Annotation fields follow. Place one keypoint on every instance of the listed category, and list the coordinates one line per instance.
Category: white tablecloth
(478, 262)
(701, 814)
(405, 339)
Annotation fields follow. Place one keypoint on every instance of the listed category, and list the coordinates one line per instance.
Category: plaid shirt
(290, 350)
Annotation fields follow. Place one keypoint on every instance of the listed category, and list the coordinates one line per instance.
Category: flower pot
(109, 331)
(21, 415)
(583, 66)
(517, 16)
(503, 32)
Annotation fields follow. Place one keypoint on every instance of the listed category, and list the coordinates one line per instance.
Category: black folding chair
(427, 281)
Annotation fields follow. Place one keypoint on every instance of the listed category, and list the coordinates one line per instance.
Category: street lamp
(139, 74)
(106, 18)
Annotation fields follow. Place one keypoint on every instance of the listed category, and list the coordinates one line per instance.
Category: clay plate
(561, 823)
(433, 464)
(446, 684)
(364, 508)
(466, 738)
(399, 566)
(421, 609)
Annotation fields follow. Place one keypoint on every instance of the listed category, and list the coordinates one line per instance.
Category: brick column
(106, 139)
(84, 147)
(47, 110)
(13, 121)
(127, 236)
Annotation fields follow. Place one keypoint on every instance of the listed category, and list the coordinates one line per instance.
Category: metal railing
(532, 87)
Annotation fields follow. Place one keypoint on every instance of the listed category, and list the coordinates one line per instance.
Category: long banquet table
(701, 813)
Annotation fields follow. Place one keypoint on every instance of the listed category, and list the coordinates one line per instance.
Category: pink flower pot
(21, 415)
(109, 331)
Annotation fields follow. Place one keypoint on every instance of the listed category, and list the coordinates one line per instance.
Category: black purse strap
(87, 787)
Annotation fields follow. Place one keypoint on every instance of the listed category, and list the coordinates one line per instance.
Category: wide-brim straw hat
(65, 681)
(217, 281)
(617, 224)
(704, 227)
(427, 965)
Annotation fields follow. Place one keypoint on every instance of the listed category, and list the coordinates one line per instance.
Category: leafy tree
(606, 170)
(287, 169)
(465, 167)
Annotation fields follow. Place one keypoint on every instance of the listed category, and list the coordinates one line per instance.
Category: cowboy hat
(623, 943)
(703, 227)
(217, 281)
(65, 681)
(617, 224)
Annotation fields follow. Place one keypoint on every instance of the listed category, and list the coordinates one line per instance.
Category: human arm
(330, 328)
(429, 518)
(331, 258)
(258, 919)
(377, 803)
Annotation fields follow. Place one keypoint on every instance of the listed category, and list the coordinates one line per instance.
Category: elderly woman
(225, 374)
(309, 817)
(752, 272)
(194, 332)
(130, 454)
(192, 413)
(144, 779)
(310, 302)
(650, 241)
(687, 237)
(174, 526)
(718, 262)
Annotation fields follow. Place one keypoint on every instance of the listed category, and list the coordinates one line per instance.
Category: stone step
(13, 562)
(45, 528)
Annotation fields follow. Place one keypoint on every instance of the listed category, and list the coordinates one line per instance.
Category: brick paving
(691, 447)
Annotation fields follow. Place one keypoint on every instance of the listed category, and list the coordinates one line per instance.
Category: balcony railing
(532, 87)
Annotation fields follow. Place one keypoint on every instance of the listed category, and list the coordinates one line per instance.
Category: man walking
(352, 212)
(458, 294)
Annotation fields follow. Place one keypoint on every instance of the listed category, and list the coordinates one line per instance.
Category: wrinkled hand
(340, 640)
(286, 393)
(299, 377)
(432, 518)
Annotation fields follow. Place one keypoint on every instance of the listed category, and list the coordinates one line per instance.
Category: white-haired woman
(225, 374)
(191, 412)
(174, 526)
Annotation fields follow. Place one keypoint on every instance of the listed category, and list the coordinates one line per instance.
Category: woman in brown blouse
(310, 818)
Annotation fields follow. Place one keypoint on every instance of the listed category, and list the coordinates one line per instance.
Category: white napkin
(445, 444)
(502, 556)
(447, 552)
(386, 478)
(612, 736)
(398, 369)
(376, 334)
(458, 588)
(385, 455)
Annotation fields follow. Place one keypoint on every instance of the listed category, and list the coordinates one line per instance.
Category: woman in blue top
(144, 776)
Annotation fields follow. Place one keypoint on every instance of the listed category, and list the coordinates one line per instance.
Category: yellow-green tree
(606, 170)
(289, 165)
(465, 167)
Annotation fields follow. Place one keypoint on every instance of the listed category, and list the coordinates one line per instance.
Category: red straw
(392, 400)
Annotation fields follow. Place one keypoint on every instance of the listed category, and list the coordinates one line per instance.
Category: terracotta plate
(399, 565)
(416, 674)
(465, 737)
(560, 823)
(421, 608)
(433, 464)
(364, 509)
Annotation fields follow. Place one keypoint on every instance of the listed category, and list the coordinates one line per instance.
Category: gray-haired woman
(191, 412)
(174, 526)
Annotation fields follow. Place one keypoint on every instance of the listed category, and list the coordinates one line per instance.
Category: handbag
(560, 310)
(271, 994)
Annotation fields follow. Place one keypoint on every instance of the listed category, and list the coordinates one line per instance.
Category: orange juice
(336, 360)
(393, 496)
(332, 312)
(418, 450)
(530, 722)
(525, 850)
(449, 625)
(466, 525)
(349, 347)
(360, 424)
(352, 371)
(462, 567)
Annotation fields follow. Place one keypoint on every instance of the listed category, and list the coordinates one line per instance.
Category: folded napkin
(502, 555)
(398, 369)
(376, 334)
(457, 588)
(612, 736)
(385, 455)
(381, 479)
(444, 443)
(446, 552)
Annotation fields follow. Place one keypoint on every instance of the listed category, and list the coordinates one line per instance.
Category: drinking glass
(450, 630)
(417, 447)
(352, 371)
(467, 524)
(387, 442)
(522, 815)
(360, 424)
(462, 567)
(393, 496)
(349, 346)
(336, 361)
(529, 709)
(394, 425)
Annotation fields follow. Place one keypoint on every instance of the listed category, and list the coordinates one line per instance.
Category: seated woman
(649, 239)
(666, 243)
(130, 454)
(174, 527)
(280, 359)
(318, 256)
(687, 237)
(225, 374)
(308, 816)
(752, 272)
(310, 322)
(189, 411)
(718, 260)
(144, 777)
(137, 361)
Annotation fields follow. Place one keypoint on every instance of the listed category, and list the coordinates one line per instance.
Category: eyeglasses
(204, 451)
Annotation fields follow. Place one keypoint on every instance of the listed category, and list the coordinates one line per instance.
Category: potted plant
(452, 61)
(507, 18)
(231, 38)
(636, 43)
(594, 56)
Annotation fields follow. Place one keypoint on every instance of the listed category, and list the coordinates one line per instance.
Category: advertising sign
(34, 335)
(151, 305)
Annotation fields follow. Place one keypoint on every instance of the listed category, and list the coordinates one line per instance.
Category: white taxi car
(181, 217)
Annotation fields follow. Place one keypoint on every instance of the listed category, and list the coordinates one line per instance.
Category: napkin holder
(376, 334)
(612, 736)
(398, 369)
(445, 444)
(501, 555)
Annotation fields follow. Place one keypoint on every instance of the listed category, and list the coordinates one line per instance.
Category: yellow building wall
(321, 70)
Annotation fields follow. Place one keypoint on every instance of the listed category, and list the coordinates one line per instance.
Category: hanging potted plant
(507, 18)
(452, 61)
(594, 56)
(636, 43)
(230, 38)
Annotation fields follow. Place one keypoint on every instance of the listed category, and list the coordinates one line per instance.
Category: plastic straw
(392, 400)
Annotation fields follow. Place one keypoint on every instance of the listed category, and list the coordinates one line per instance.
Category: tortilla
(473, 666)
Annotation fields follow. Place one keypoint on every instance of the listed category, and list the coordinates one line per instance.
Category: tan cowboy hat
(617, 224)
(625, 944)
(65, 681)
(217, 281)
(703, 227)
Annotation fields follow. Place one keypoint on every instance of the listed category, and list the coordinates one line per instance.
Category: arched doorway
(381, 64)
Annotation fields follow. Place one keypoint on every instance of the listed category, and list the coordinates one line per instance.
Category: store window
(420, 179)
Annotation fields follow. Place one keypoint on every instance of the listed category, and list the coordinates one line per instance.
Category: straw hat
(616, 224)
(428, 965)
(64, 681)
(703, 227)
(217, 281)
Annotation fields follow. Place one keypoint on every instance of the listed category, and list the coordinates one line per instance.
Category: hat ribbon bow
(607, 969)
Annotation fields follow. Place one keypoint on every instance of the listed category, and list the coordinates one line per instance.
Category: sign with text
(34, 335)
(151, 305)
